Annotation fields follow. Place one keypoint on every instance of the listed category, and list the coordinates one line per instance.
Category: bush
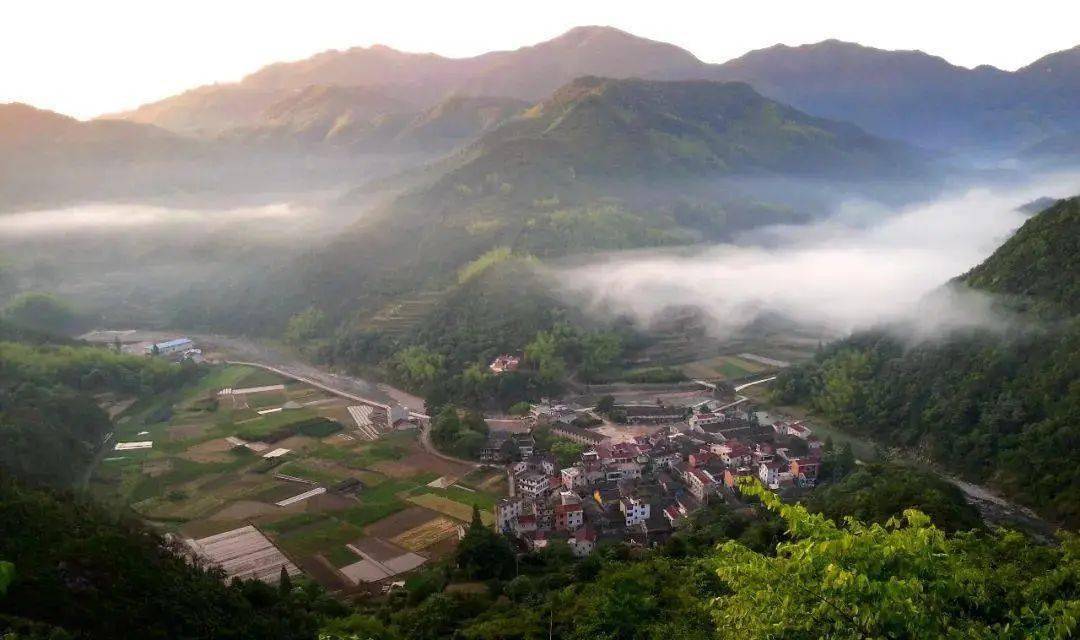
(520, 409)
(318, 427)
(657, 375)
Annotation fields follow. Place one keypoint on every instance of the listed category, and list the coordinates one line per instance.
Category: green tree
(304, 326)
(416, 367)
(42, 311)
(903, 579)
(879, 492)
(520, 408)
(566, 451)
(599, 351)
(605, 404)
(542, 348)
(7, 574)
(482, 553)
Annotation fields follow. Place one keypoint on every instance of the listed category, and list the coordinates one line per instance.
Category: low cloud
(864, 265)
(107, 217)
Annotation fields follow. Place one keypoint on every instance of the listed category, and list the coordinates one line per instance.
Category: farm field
(205, 473)
(726, 367)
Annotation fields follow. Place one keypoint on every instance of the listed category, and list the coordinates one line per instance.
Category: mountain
(31, 132)
(911, 95)
(602, 127)
(602, 164)
(1056, 75)
(367, 120)
(1061, 149)
(528, 73)
(1000, 407)
(205, 111)
(45, 155)
(1040, 262)
(336, 115)
(48, 159)
(457, 120)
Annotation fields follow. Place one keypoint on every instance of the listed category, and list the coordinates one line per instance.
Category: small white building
(507, 511)
(169, 347)
(534, 485)
(573, 478)
(582, 542)
(635, 510)
(769, 473)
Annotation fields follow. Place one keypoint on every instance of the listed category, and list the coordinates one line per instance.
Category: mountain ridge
(906, 94)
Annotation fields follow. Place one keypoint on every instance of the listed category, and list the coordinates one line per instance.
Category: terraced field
(400, 316)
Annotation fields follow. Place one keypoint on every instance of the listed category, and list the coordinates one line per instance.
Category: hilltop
(1040, 263)
(528, 73)
(604, 127)
(908, 95)
(323, 118)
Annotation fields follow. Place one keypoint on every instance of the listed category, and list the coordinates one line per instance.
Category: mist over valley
(587, 338)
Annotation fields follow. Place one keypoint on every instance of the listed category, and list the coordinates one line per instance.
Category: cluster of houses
(641, 490)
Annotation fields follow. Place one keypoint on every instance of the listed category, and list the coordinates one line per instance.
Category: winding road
(994, 508)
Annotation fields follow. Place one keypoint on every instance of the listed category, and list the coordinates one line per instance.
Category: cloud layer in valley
(863, 265)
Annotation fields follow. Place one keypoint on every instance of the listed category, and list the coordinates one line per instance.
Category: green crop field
(194, 480)
(452, 508)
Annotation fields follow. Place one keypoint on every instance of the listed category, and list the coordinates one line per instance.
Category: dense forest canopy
(50, 421)
(81, 571)
(1001, 408)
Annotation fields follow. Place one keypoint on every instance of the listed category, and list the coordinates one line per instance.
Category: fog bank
(863, 265)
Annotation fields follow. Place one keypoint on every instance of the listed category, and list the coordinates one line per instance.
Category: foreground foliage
(83, 572)
(903, 579)
(781, 572)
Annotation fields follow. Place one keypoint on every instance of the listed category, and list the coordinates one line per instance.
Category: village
(352, 491)
(639, 481)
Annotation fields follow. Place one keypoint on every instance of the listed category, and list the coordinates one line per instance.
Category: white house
(582, 542)
(769, 473)
(506, 512)
(534, 485)
(635, 510)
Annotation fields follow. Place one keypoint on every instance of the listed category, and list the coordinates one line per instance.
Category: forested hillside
(84, 572)
(999, 408)
(564, 178)
(1040, 264)
(51, 424)
(71, 569)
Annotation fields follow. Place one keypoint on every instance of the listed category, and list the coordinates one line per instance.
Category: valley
(592, 338)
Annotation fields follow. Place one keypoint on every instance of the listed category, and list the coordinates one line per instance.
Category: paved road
(247, 351)
(344, 385)
(425, 443)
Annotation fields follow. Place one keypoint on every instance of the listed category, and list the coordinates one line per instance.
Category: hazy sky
(86, 58)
